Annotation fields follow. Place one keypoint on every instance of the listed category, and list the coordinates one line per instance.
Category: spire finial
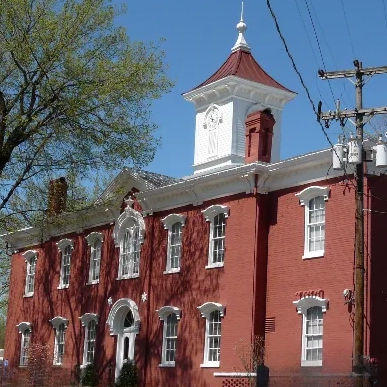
(241, 43)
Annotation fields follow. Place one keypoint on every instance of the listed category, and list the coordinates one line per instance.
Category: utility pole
(358, 113)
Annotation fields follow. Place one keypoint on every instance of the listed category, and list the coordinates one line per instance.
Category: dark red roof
(242, 64)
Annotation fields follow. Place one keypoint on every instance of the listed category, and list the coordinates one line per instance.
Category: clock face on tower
(213, 118)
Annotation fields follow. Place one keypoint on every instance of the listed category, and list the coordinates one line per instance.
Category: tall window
(25, 338)
(94, 240)
(91, 334)
(65, 247)
(130, 253)
(218, 234)
(217, 216)
(312, 309)
(314, 198)
(174, 223)
(60, 325)
(170, 315)
(25, 344)
(59, 344)
(313, 334)
(31, 259)
(89, 321)
(316, 224)
(128, 235)
(213, 313)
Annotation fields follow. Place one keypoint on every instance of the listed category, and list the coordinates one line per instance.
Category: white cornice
(63, 224)
(233, 86)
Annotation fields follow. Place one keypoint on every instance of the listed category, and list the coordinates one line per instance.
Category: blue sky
(199, 35)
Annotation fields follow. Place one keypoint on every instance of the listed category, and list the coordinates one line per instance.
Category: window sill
(210, 365)
(128, 277)
(172, 271)
(23, 365)
(313, 254)
(92, 283)
(215, 265)
(28, 295)
(63, 287)
(167, 365)
(311, 363)
(83, 366)
(58, 365)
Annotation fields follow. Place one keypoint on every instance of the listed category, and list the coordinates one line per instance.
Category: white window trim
(209, 214)
(85, 319)
(22, 327)
(28, 257)
(127, 218)
(91, 239)
(168, 222)
(304, 197)
(206, 309)
(303, 304)
(62, 244)
(56, 322)
(163, 313)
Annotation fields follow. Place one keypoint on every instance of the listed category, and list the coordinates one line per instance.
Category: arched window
(174, 223)
(313, 199)
(170, 316)
(212, 312)
(60, 325)
(65, 247)
(30, 257)
(216, 215)
(129, 235)
(89, 321)
(25, 331)
(94, 240)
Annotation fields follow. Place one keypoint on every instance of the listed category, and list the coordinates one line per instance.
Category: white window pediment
(167, 310)
(209, 307)
(23, 326)
(63, 243)
(127, 219)
(30, 254)
(93, 237)
(304, 303)
(311, 192)
(87, 317)
(56, 321)
(171, 219)
(216, 209)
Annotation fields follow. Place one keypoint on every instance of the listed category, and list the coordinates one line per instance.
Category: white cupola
(224, 100)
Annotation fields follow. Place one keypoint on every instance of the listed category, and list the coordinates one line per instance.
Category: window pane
(25, 343)
(218, 234)
(90, 341)
(170, 338)
(95, 260)
(316, 224)
(175, 246)
(213, 336)
(313, 334)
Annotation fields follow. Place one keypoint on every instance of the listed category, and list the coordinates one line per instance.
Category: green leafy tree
(75, 92)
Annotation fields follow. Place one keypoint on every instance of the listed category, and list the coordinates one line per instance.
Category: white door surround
(124, 322)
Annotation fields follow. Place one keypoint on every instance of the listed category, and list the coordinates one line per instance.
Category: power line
(319, 47)
(311, 48)
(296, 69)
(348, 30)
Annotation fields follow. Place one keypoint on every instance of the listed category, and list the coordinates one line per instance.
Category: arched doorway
(124, 322)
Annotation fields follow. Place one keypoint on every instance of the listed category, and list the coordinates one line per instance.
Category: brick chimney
(259, 135)
(57, 196)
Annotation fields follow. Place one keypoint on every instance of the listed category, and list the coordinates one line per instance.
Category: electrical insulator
(381, 153)
(354, 151)
(338, 156)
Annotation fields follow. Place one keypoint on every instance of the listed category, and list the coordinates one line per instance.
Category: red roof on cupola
(242, 64)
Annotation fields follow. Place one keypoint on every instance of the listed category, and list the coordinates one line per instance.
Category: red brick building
(180, 275)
